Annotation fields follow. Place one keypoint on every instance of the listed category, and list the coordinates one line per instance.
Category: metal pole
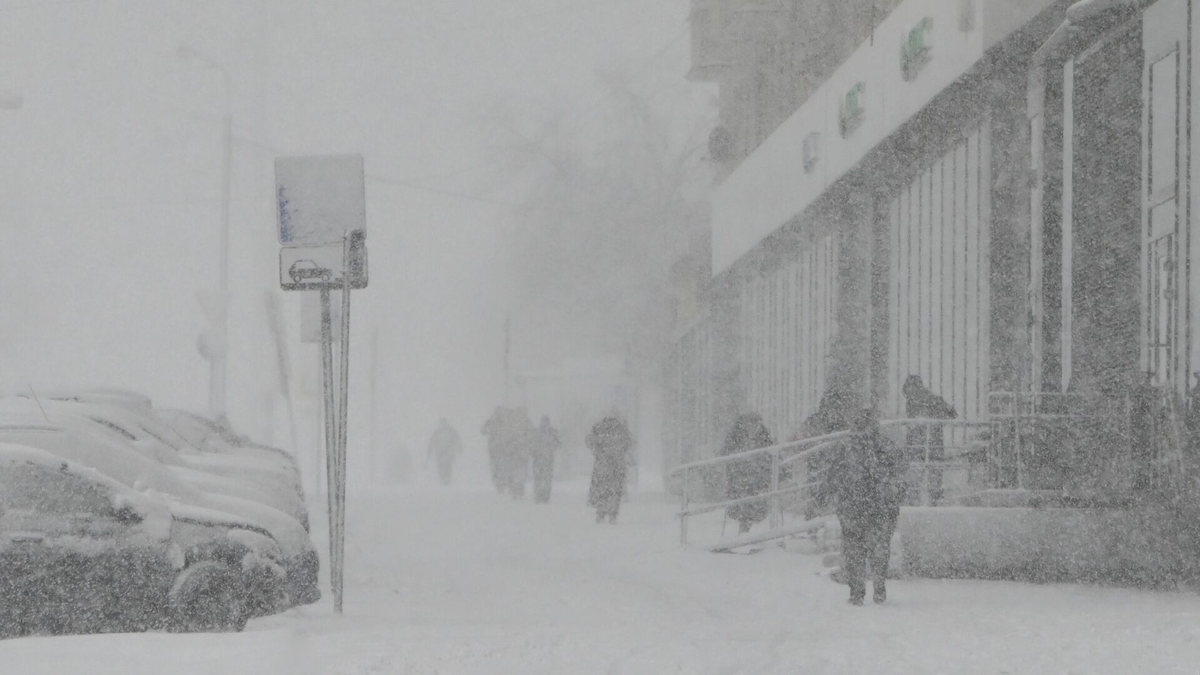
(776, 515)
(507, 351)
(373, 447)
(683, 508)
(343, 423)
(1033, 438)
(330, 430)
(218, 370)
(925, 473)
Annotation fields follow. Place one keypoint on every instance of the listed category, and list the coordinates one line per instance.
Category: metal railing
(798, 467)
(1088, 443)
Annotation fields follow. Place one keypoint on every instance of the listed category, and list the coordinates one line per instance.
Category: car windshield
(36, 488)
(113, 427)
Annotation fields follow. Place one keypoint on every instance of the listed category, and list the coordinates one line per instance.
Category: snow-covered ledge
(830, 134)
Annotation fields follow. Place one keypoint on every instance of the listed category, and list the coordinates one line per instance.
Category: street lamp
(218, 356)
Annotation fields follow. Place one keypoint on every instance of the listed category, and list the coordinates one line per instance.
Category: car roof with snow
(145, 505)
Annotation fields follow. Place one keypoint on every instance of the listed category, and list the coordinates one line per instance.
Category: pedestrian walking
(832, 415)
(610, 443)
(921, 403)
(444, 447)
(518, 451)
(546, 445)
(497, 440)
(747, 477)
(866, 485)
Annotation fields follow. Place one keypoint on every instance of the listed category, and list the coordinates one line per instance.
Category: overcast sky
(109, 179)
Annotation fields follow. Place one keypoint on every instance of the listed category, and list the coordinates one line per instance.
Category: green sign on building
(916, 48)
(853, 110)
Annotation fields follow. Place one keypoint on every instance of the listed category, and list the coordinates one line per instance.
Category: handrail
(717, 506)
(827, 438)
(748, 454)
(811, 446)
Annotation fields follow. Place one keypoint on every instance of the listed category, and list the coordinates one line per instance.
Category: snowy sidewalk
(468, 582)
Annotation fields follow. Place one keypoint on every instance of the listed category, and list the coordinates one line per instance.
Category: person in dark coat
(445, 446)
(921, 403)
(496, 431)
(866, 484)
(610, 443)
(747, 477)
(518, 451)
(546, 445)
(832, 415)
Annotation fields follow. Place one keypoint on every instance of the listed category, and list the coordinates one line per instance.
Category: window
(938, 284)
(1163, 86)
(25, 486)
(790, 319)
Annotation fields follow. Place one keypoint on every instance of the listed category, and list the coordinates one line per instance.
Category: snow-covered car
(209, 435)
(89, 444)
(269, 482)
(82, 553)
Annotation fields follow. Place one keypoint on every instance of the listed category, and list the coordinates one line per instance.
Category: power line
(426, 188)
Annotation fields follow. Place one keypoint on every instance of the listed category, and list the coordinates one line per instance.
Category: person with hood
(832, 415)
(921, 403)
(545, 445)
(445, 446)
(496, 430)
(747, 477)
(865, 483)
(610, 443)
(518, 451)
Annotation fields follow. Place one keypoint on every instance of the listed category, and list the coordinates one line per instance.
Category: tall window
(789, 320)
(938, 287)
(1160, 243)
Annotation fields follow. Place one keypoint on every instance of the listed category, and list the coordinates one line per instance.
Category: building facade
(994, 195)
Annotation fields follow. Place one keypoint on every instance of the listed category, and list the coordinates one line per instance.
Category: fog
(109, 199)
(688, 323)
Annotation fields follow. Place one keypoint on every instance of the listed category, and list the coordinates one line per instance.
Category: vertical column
(1068, 217)
(950, 308)
(892, 280)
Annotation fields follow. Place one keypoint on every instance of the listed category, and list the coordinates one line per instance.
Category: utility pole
(218, 366)
(218, 356)
(507, 352)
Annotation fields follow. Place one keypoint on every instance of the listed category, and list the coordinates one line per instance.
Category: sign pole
(331, 442)
(343, 425)
(322, 203)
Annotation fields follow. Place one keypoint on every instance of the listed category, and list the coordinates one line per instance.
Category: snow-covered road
(467, 582)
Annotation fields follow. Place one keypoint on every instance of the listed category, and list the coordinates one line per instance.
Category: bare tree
(603, 215)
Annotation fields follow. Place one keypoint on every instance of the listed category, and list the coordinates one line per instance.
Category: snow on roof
(113, 458)
(145, 506)
(132, 472)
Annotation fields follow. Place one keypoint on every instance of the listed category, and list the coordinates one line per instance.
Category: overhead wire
(418, 182)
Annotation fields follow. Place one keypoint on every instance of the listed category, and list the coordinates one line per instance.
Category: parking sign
(319, 199)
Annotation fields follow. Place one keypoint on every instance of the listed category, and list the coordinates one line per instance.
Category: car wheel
(207, 598)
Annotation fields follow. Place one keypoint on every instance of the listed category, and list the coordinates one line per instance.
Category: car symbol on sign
(303, 270)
